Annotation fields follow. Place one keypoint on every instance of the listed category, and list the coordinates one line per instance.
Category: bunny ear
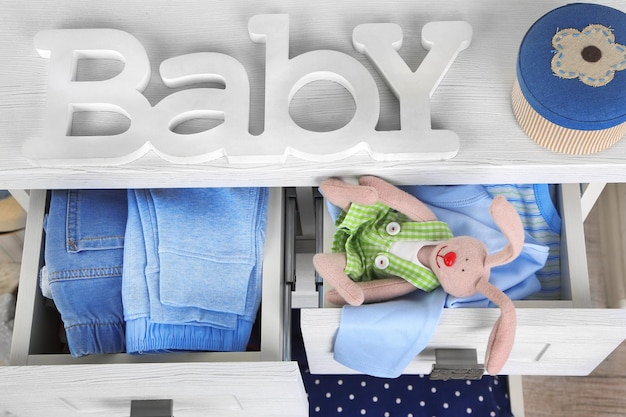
(510, 224)
(331, 267)
(503, 333)
(343, 194)
(399, 200)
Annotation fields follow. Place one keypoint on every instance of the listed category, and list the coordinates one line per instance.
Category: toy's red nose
(449, 258)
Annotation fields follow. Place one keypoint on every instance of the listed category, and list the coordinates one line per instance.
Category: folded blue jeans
(193, 257)
(84, 259)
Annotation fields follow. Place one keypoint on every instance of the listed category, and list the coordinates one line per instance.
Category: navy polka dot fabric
(406, 396)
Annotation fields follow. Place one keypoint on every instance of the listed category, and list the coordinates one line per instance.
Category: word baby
(152, 127)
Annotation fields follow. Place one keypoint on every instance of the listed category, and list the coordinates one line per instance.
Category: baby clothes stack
(156, 270)
(380, 328)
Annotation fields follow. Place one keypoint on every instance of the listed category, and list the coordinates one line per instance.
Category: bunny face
(459, 264)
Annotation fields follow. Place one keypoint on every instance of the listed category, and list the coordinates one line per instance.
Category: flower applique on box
(591, 55)
(569, 92)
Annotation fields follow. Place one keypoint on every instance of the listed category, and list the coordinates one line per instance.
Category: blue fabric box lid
(574, 100)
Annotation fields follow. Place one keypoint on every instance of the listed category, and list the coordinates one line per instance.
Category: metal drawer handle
(456, 364)
(152, 408)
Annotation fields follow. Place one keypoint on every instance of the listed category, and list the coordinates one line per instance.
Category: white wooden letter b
(66, 95)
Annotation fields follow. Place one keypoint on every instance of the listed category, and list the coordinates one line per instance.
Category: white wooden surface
(473, 99)
(197, 390)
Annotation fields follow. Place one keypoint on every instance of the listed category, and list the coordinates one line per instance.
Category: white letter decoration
(153, 127)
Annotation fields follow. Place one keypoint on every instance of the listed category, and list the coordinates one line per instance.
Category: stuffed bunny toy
(426, 256)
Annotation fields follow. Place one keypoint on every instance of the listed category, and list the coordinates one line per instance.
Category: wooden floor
(603, 393)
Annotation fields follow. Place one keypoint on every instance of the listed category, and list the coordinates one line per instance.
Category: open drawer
(255, 382)
(563, 337)
(36, 337)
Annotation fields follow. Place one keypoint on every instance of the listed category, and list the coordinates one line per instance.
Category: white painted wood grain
(473, 99)
(226, 389)
(28, 304)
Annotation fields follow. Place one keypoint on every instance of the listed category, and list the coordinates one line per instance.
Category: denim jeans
(84, 261)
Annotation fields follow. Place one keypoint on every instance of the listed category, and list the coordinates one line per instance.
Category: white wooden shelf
(473, 99)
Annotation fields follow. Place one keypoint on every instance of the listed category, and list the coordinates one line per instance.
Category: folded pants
(194, 282)
(156, 270)
(84, 261)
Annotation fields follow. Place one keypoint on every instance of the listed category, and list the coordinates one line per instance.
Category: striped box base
(558, 138)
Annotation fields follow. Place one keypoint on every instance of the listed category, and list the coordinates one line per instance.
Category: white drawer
(196, 389)
(228, 383)
(564, 337)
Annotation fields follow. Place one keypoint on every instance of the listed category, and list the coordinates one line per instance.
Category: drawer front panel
(548, 341)
(251, 389)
